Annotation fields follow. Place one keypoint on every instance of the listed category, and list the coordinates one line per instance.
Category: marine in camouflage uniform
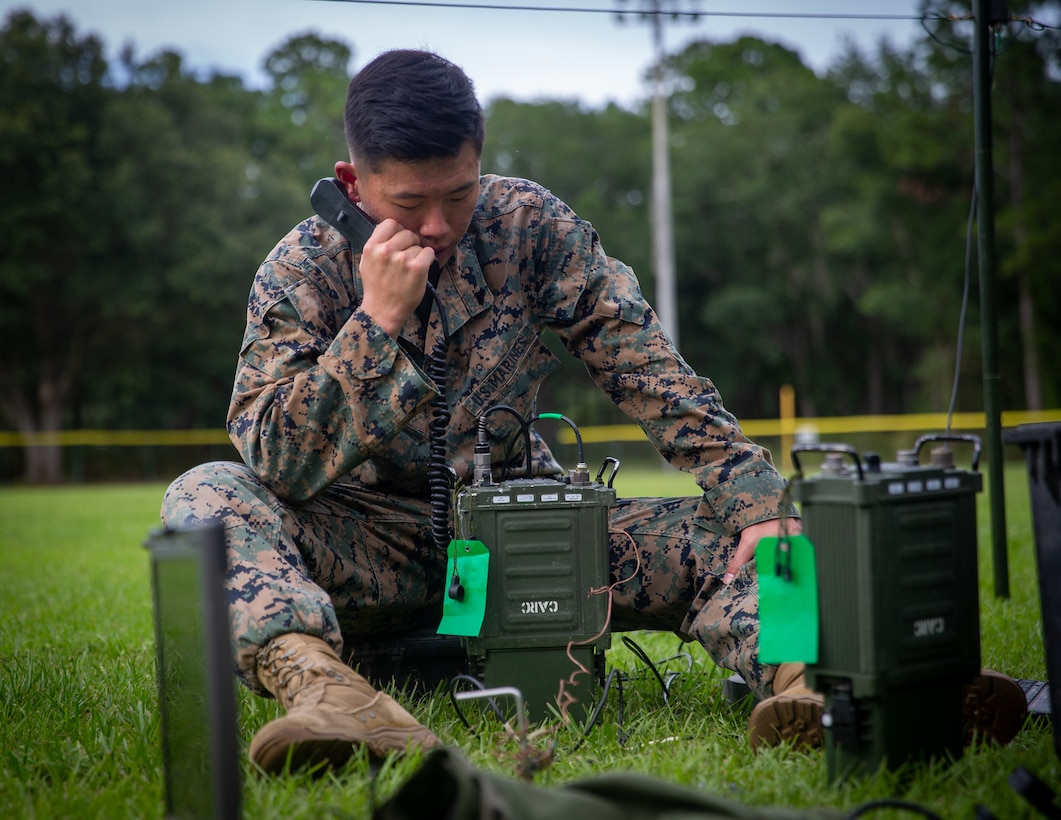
(328, 520)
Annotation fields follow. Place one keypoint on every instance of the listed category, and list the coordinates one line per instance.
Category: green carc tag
(788, 600)
(471, 560)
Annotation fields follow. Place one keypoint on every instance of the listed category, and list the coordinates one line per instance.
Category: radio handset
(328, 199)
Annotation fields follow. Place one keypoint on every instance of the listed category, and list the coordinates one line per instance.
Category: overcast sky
(523, 54)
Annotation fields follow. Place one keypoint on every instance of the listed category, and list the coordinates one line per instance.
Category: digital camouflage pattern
(328, 522)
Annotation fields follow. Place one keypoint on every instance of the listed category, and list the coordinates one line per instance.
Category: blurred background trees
(820, 222)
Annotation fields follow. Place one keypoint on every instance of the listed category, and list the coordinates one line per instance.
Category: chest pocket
(515, 377)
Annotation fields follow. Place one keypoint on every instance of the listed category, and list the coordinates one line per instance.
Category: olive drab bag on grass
(447, 787)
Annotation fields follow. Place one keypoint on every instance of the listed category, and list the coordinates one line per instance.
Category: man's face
(433, 198)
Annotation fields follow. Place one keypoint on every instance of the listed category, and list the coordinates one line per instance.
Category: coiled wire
(439, 482)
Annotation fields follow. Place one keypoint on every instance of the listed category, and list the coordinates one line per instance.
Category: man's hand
(749, 538)
(394, 267)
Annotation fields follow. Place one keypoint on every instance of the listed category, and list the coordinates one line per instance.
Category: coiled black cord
(439, 482)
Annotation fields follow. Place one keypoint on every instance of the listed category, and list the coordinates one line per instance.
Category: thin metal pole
(988, 324)
(662, 231)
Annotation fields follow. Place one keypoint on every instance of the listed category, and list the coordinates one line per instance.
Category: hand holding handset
(329, 201)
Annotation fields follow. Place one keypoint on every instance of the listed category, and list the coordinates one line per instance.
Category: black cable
(438, 477)
(693, 15)
(966, 287)
(596, 711)
(1001, 30)
(965, 305)
(478, 684)
(1040, 796)
(620, 735)
(637, 650)
(524, 428)
(591, 723)
(873, 805)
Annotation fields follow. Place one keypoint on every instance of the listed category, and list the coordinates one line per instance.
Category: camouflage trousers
(356, 561)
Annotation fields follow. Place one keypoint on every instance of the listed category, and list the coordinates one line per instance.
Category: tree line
(821, 223)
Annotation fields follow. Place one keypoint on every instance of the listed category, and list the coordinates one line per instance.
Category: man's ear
(346, 173)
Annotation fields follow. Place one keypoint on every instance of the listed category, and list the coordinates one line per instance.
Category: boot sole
(287, 748)
(994, 707)
(780, 719)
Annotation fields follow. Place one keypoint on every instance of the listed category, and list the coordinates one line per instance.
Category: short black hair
(411, 105)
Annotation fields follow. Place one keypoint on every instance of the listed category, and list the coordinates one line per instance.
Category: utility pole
(662, 220)
(989, 13)
(666, 301)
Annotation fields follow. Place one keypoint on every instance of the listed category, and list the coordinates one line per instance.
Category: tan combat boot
(330, 709)
(994, 707)
(993, 704)
(793, 713)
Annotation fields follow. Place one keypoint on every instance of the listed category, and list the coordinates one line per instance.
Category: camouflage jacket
(323, 394)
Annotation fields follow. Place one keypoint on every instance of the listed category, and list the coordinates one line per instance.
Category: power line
(643, 13)
(1033, 24)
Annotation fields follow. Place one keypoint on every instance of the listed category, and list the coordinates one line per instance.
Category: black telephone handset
(329, 201)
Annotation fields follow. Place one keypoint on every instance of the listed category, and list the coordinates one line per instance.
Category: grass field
(79, 729)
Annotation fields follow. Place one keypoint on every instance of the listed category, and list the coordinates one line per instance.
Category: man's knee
(202, 493)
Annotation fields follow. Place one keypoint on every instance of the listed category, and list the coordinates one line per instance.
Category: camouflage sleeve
(309, 403)
(595, 304)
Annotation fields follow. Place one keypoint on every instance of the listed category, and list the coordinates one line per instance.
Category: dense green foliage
(820, 221)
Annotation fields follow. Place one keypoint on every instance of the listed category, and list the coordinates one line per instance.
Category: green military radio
(898, 600)
(545, 629)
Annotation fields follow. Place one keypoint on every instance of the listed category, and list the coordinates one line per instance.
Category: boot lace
(292, 675)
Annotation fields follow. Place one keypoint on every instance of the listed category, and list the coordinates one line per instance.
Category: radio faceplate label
(539, 607)
(926, 627)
